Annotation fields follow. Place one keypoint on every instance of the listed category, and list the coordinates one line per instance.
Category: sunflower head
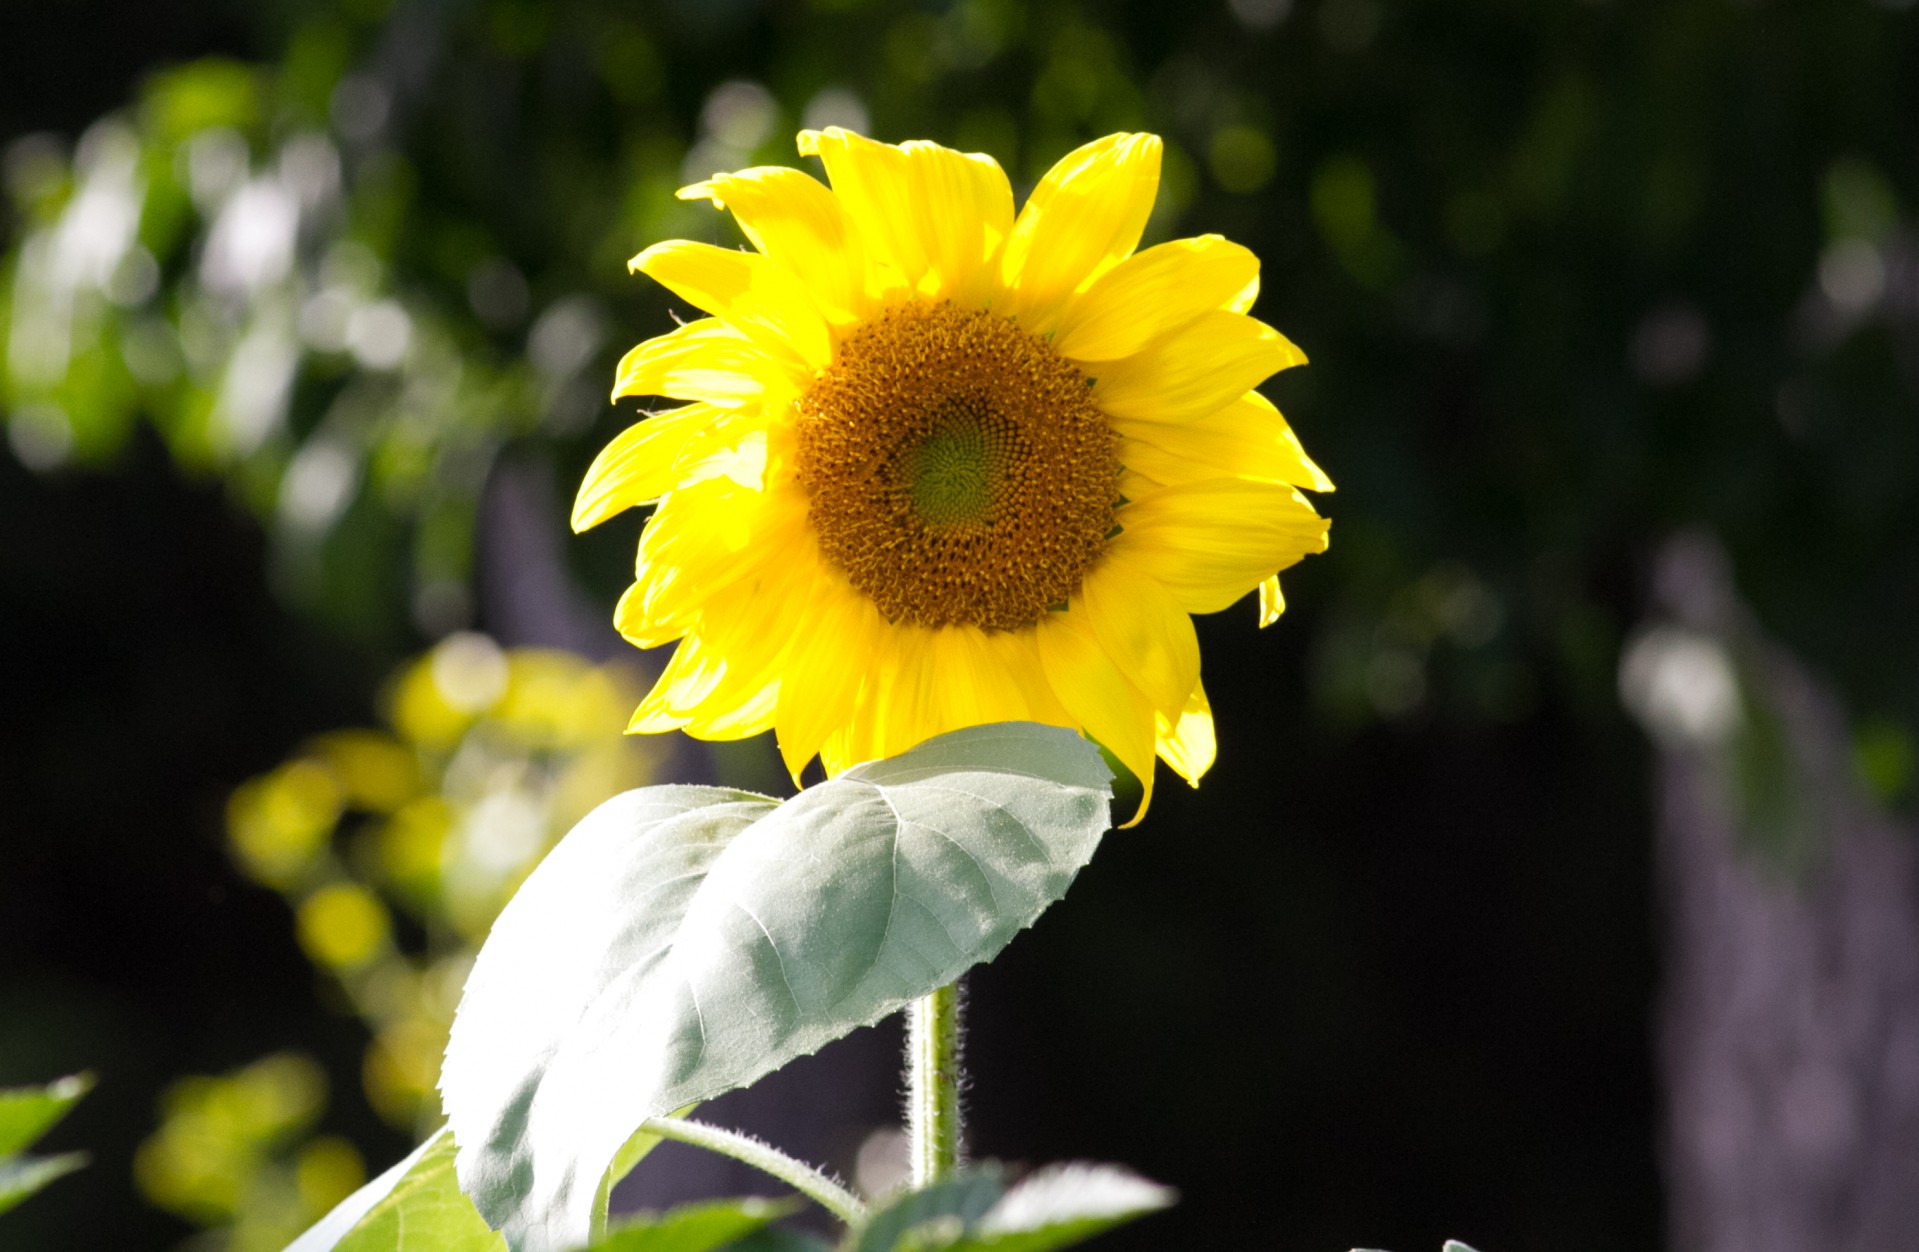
(942, 465)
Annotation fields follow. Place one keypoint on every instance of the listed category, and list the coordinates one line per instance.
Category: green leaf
(931, 1217)
(416, 1206)
(684, 941)
(21, 1176)
(779, 1239)
(637, 1146)
(1064, 1204)
(695, 1227)
(27, 1113)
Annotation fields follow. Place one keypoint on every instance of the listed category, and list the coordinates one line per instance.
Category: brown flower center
(956, 468)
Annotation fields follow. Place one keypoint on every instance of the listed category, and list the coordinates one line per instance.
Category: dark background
(1566, 274)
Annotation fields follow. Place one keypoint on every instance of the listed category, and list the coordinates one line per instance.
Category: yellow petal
(733, 713)
(1196, 369)
(1085, 216)
(1272, 602)
(989, 677)
(1149, 294)
(1242, 301)
(741, 704)
(833, 641)
(689, 677)
(793, 219)
(935, 218)
(1188, 745)
(1246, 439)
(631, 620)
(667, 452)
(1142, 628)
(921, 682)
(639, 465)
(704, 360)
(1209, 543)
(1019, 659)
(1098, 696)
(702, 540)
(889, 709)
(899, 703)
(749, 292)
(727, 687)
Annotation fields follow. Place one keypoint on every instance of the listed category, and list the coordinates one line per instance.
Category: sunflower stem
(933, 1085)
(764, 1157)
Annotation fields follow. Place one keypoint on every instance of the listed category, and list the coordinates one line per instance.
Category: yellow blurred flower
(943, 465)
(216, 1134)
(396, 848)
(327, 1171)
(342, 925)
(281, 822)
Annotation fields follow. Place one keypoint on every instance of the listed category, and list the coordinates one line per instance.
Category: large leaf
(683, 941)
(26, 1113)
(416, 1206)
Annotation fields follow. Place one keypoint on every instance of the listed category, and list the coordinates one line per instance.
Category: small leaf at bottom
(1062, 1205)
(694, 1227)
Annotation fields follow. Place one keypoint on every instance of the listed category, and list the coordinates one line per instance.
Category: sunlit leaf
(416, 1206)
(683, 941)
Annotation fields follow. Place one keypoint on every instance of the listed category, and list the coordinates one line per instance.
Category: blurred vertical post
(1789, 1023)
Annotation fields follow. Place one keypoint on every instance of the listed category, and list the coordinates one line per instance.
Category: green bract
(683, 941)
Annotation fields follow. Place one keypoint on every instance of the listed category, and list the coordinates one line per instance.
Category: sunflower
(943, 466)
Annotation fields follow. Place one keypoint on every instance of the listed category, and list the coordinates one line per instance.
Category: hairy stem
(933, 1085)
(802, 1177)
